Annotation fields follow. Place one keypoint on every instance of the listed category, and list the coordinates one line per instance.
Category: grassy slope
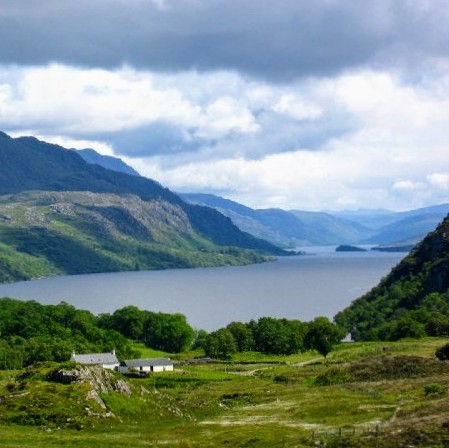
(259, 405)
(44, 233)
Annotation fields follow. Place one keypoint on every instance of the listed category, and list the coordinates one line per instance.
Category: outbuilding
(146, 366)
(105, 360)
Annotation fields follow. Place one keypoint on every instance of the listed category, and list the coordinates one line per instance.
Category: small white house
(146, 366)
(105, 360)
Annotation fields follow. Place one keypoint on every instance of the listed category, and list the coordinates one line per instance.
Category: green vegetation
(165, 332)
(44, 234)
(271, 336)
(412, 301)
(385, 396)
(31, 332)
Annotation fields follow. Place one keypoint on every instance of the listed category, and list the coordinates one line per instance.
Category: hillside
(360, 398)
(285, 228)
(412, 301)
(28, 164)
(48, 233)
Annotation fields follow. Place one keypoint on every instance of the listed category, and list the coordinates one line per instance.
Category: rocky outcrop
(100, 380)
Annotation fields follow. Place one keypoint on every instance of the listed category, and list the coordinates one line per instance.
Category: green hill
(30, 164)
(48, 233)
(412, 301)
(62, 215)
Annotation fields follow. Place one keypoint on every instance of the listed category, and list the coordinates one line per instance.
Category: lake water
(298, 287)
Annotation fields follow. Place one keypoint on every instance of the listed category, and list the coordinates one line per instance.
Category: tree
(243, 336)
(274, 336)
(168, 332)
(200, 339)
(220, 344)
(322, 335)
(128, 320)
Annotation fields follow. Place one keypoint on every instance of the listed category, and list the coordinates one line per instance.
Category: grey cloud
(274, 40)
(278, 134)
(149, 140)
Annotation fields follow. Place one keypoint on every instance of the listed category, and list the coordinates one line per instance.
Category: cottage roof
(148, 362)
(95, 358)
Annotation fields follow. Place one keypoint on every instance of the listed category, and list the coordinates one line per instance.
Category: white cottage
(146, 366)
(105, 360)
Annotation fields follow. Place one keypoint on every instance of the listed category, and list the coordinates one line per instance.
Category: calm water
(300, 287)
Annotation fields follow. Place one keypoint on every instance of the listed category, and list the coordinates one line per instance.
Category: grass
(147, 352)
(276, 403)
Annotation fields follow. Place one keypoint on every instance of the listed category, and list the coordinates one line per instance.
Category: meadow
(384, 394)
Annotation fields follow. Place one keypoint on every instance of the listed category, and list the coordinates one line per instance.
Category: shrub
(443, 353)
(434, 389)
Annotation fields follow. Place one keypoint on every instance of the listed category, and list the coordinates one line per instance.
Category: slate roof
(148, 362)
(95, 358)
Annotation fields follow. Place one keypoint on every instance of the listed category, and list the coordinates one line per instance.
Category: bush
(443, 353)
(434, 389)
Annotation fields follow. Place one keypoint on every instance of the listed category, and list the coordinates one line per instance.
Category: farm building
(146, 366)
(106, 360)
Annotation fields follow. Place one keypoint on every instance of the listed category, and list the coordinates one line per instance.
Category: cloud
(270, 40)
(300, 104)
(315, 143)
(295, 107)
(439, 180)
(407, 185)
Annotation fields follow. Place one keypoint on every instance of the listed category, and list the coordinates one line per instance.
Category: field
(362, 395)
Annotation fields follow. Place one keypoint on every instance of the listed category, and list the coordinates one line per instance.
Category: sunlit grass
(249, 402)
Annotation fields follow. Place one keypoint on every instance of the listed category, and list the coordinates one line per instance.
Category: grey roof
(148, 362)
(96, 358)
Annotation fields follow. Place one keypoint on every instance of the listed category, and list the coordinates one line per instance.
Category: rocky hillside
(48, 233)
(29, 164)
(412, 301)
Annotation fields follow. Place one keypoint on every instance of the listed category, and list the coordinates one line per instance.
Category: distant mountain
(262, 224)
(333, 229)
(411, 226)
(301, 228)
(287, 228)
(111, 163)
(372, 219)
(412, 301)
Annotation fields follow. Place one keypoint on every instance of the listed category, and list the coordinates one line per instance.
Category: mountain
(411, 226)
(302, 228)
(30, 164)
(55, 233)
(373, 219)
(60, 214)
(286, 228)
(111, 163)
(333, 229)
(412, 301)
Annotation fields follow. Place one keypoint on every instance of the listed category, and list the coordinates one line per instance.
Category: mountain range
(60, 214)
(293, 228)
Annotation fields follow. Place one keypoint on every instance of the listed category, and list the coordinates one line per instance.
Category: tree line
(31, 332)
(271, 336)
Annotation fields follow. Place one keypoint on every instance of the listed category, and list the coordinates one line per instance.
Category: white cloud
(407, 185)
(362, 139)
(226, 115)
(90, 101)
(297, 108)
(439, 180)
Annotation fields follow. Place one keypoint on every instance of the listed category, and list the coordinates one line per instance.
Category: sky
(296, 104)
